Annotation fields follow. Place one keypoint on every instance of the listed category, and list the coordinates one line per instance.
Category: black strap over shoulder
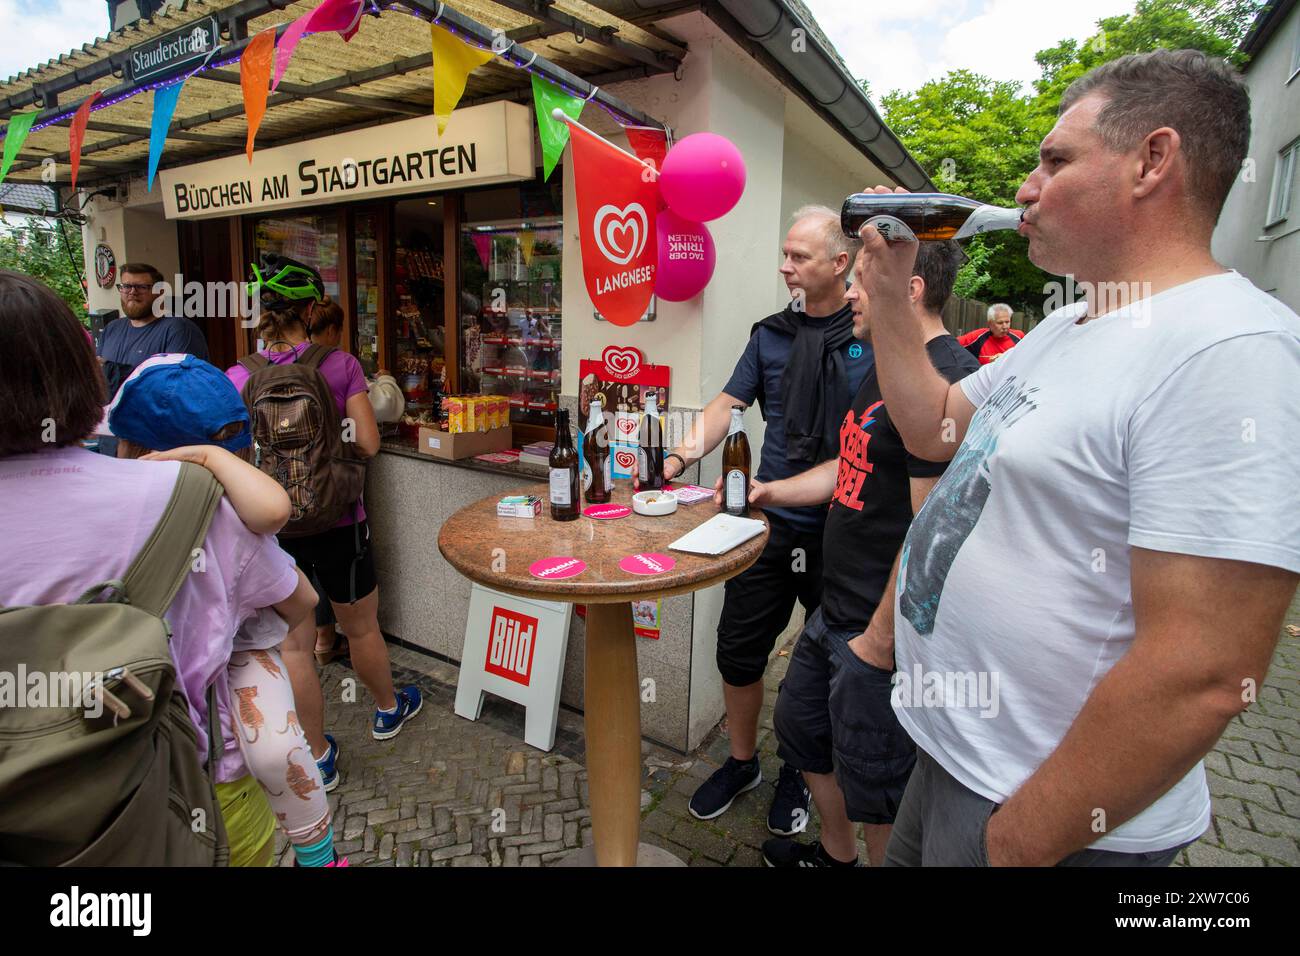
(313, 355)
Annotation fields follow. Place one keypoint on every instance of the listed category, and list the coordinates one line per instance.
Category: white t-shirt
(1172, 425)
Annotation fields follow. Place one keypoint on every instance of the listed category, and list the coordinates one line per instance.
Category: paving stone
(1279, 848)
(424, 816)
(404, 852)
(511, 856)
(1253, 792)
(380, 817)
(1274, 777)
(469, 861)
(701, 840)
(448, 852)
(1202, 854)
(386, 846)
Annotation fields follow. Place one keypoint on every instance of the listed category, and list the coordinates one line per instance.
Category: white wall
(1273, 265)
(136, 231)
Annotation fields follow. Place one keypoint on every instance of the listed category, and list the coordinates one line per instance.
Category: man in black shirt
(833, 718)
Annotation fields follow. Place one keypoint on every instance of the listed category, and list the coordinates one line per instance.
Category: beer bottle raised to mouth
(564, 471)
(735, 466)
(597, 481)
(650, 446)
(924, 216)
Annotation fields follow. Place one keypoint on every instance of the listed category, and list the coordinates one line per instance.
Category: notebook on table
(718, 535)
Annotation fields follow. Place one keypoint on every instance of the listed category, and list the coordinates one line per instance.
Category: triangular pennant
(288, 43)
(453, 61)
(552, 133)
(649, 143)
(164, 105)
(77, 134)
(20, 124)
(527, 239)
(337, 16)
(483, 246)
(255, 76)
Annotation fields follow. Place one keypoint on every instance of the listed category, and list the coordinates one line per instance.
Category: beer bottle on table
(735, 466)
(926, 216)
(597, 480)
(650, 446)
(564, 471)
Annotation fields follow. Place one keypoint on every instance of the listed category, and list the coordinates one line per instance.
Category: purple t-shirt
(345, 378)
(74, 519)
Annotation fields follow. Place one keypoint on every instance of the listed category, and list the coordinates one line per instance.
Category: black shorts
(833, 714)
(758, 602)
(339, 559)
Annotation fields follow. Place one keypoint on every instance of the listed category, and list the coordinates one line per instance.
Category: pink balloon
(686, 257)
(702, 177)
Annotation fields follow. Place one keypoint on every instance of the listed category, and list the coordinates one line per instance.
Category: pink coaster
(607, 512)
(647, 563)
(553, 569)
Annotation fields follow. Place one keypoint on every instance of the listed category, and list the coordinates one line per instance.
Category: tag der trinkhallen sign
(184, 47)
(491, 143)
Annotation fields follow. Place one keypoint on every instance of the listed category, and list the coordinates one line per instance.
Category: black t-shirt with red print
(872, 505)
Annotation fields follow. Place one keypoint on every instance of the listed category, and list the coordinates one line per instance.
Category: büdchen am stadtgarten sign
(491, 143)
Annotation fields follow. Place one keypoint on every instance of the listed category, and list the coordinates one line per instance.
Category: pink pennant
(288, 43)
(483, 246)
(338, 16)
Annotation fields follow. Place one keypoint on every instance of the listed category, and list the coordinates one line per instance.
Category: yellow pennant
(453, 61)
(527, 238)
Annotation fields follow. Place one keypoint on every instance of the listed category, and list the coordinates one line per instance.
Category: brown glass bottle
(650, 446)
(735, 466)
(597, 480)
(930, 216)
(564, 471)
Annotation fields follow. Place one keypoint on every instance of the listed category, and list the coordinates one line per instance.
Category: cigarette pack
(520, 506)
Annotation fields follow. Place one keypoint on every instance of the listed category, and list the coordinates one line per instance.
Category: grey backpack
(126, 787)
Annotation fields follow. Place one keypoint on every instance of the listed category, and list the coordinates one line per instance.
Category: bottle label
(609, 476)
(735, 489)
(586, 477)
(560, 487)
(642, 465)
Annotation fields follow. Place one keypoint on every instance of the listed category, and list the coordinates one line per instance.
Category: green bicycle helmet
(282, 281)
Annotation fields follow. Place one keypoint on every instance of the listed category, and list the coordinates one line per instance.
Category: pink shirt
(345, 377)
(73, 519)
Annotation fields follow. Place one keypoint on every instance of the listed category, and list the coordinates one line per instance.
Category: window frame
(1284, 174)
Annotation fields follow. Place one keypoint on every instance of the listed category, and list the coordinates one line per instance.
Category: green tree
(39, 248)
(979, 137)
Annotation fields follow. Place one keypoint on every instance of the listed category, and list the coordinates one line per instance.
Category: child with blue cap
(179, 408)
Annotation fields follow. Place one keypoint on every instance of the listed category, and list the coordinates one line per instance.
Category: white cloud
(901, 46)
(34, 31)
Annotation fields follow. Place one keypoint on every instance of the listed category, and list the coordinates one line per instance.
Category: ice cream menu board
(619, 381)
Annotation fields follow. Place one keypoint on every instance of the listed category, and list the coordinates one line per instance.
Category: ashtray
(654, 503)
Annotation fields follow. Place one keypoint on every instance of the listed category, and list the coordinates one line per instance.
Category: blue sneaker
(408, 705)
(329, 773)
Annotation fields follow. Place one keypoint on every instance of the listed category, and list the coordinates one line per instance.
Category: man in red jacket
(988, 344)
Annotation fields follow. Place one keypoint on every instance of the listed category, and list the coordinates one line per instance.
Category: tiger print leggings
(274, 746)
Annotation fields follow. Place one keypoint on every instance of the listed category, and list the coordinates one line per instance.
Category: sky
(894, 45)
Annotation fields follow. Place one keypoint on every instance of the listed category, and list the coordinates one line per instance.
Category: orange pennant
(255, 78)
(77, 134)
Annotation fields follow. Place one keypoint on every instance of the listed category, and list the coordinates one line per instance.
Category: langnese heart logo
(627, 426)
(622, 363)
(621, 233)
(625, 459)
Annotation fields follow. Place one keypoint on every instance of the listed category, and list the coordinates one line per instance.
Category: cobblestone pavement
(448, 791)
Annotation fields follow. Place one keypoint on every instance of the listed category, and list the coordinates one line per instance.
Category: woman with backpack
(313, 426)
(95, 551)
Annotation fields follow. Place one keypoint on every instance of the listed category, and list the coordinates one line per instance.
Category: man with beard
(142, 332)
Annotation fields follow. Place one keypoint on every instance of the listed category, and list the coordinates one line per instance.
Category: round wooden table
(469, 541)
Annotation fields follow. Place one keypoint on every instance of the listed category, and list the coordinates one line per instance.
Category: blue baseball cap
(175, 399)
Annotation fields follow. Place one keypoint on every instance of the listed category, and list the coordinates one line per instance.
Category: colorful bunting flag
(483, 246)
(20, 124)
(254, 77)
(77, 134)
(648, 143)
(164, 105)
(527, 239)
(552, 133)
(332, 16)
(453, 61)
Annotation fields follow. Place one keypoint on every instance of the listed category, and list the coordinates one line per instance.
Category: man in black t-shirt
(833, 717)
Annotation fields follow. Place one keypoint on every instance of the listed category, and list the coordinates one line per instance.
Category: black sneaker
(714, 796)
(786, 853)
(789, 813)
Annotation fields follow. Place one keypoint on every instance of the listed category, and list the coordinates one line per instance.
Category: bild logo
(621, 233)
(510, 646)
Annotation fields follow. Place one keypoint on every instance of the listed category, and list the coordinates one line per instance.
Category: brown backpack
(298, 437)
(103, 767)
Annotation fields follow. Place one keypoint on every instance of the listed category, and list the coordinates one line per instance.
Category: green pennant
(552, 133)
(20, 124)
